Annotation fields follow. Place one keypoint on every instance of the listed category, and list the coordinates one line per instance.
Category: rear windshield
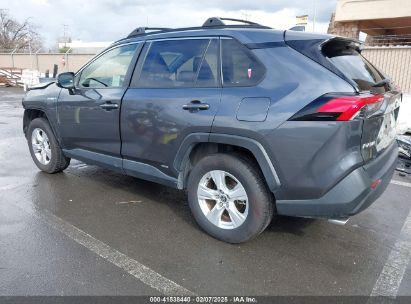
(353, 65)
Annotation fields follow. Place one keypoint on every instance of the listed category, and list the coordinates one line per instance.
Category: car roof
(245, 34)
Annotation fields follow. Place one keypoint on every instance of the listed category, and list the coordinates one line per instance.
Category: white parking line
(9, 186)
(400, 183)
(131, 266)
(392, 274)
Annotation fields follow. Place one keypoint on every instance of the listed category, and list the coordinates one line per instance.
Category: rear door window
(239, 66)
(180, 63)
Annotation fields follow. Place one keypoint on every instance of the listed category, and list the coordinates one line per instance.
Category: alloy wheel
(223, 199)
(41, 146)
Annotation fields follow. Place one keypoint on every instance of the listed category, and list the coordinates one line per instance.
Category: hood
(41, 85)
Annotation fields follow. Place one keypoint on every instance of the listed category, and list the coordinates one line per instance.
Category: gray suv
(251, 121)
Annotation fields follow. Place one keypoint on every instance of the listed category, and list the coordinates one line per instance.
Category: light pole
(37, 59)
(12, 56)
(66, 55)
(246, 15)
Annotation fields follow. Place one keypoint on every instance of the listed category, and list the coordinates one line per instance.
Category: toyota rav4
(251, 121)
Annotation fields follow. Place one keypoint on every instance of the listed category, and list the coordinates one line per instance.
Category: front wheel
(229, 198)
(44, 148)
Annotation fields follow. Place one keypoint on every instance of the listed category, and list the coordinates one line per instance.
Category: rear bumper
(351, 195)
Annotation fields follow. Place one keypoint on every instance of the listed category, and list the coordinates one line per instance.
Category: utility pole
(246, 15)
(65, 30)
(314, 13)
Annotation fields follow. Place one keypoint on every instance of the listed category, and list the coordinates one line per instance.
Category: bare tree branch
(16, 35)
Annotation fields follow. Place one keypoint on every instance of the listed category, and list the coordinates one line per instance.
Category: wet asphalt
(152, 224)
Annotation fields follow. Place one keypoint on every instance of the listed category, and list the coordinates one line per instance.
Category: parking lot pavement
(89, 231)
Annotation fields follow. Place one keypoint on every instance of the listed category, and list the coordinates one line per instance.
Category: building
(386, 22)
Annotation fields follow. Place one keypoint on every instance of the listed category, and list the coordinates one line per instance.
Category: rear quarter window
(239, 66)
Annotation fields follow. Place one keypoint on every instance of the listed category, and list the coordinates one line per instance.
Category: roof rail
(218, 21)
(144, 30)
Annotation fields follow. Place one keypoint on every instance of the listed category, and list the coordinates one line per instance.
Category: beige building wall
(395, 62)
(374, 17)
(354, 10)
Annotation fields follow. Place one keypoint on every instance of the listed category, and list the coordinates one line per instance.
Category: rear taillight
(339, 107)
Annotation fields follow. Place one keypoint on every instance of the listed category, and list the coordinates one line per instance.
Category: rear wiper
(381, 83)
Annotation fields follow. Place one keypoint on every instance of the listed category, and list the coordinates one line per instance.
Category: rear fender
(251, 145)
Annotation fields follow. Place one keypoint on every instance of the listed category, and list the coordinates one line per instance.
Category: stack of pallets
(10, 77)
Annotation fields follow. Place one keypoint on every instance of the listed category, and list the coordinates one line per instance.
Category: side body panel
(85, 125)
(154, 124)
(295, 149)
(89, 118)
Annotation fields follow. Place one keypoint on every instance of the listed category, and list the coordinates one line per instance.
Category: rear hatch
(376, 101)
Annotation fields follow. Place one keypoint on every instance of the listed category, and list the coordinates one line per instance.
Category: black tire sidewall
(54, 146)
(258, 199)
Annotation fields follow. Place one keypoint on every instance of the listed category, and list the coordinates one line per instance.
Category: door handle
(196, 106)
(108, 106)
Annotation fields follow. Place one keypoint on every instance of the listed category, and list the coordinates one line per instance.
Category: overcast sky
(109, 20)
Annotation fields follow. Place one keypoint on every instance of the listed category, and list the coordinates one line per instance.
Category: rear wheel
(229, 198)
(44, 148)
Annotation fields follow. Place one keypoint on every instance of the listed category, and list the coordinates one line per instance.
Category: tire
(44, 148)
(242, 219)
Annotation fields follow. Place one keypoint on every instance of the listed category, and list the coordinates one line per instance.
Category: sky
(110, 20)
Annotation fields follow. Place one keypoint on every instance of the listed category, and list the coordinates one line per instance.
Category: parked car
(251, 121)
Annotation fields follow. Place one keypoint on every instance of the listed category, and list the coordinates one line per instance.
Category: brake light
(348, 106)
(339, 107)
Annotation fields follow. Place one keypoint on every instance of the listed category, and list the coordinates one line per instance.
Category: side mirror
(66, 80)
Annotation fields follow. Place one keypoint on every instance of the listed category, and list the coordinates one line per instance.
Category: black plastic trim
(125, 166)
(265, 45)
(252, 145)
(95, 158)
(148, 172)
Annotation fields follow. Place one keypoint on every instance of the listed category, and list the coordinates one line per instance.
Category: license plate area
(387, 132)
(379, 130)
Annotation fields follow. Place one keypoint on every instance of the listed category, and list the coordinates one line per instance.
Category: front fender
(42, 100)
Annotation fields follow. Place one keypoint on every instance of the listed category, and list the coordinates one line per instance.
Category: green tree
(64, 49)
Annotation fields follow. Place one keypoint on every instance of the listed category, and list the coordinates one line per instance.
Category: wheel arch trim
(256, 148)
(42, 110)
